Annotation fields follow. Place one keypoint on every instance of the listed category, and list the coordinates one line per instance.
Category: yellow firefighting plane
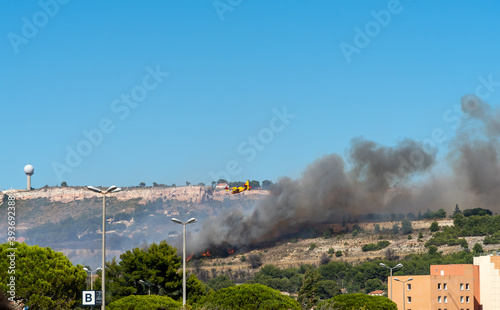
(237, 190)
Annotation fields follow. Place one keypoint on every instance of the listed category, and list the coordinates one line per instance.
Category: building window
(409, 299)
(408, 287)
(439, 286)
(467, 286)
(445, 299)
(462, 299)
(445, 286)
(467, 299)
(439, 299)
(461, 287)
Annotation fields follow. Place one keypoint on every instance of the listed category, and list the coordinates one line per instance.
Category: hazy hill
(69, 219)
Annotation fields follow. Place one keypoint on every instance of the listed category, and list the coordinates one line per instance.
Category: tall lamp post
(191, 220)
(91, 278)
(149, 286)
(111, 189)
(397, 266)
(404, 301)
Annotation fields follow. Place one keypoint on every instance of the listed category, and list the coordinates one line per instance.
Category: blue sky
(204, 76)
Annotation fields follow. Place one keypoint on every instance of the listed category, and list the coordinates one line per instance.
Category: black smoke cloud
(326, 191)
(373, 179)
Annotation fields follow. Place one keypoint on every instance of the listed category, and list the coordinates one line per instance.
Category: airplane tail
(247, 185)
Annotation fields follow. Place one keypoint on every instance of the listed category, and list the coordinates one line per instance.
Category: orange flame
(230, 251)
(207, 253)
(189, 258)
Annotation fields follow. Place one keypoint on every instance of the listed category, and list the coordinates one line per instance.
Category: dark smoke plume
(325, 192)
(475, 153)
(376, 179)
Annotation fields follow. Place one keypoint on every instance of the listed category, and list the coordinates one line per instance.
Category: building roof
(377, 292)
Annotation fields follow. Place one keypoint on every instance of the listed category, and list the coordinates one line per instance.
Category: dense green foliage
(285, 280)
(46, 279)
(249, 297)
(375, 247)
(439, 214)
(220, 282)
(477, 211)
(158, 265)
(473, 225)
(357, 302)
(144, 302)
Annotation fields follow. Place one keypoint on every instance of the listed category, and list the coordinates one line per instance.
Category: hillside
(69, 220)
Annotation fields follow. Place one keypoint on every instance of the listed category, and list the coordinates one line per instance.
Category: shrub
(375, 247)
(144, 302)
(255, 261)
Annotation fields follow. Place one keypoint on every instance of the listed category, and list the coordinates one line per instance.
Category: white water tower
(29, 170)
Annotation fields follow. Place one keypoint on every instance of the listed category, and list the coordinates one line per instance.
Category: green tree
(266, 184)
(406, 227)
(144, 302)
(220, 282)
(142, 184)
(338, 253)
(357, 302)
(254, 184)
(477, 248)
(46, 279)
(433, 250)
(249, 297)
(457, 210)
(308, 293)
(327, 289)
(439, 214)
(376, 228)
(395, 229)
(434, 226)
(373, 285)
(157, 264)
(195, 289)
(64, 184)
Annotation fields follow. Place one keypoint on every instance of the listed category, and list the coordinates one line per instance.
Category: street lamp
(404, 301)
(111, 189)
(191, 220)
(149, 286)
(91, 278)
(397, 266)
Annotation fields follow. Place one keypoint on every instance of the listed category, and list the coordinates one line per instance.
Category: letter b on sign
(88, 298)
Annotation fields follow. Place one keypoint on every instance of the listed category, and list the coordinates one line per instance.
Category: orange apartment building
(448, 287)
(451, 287)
